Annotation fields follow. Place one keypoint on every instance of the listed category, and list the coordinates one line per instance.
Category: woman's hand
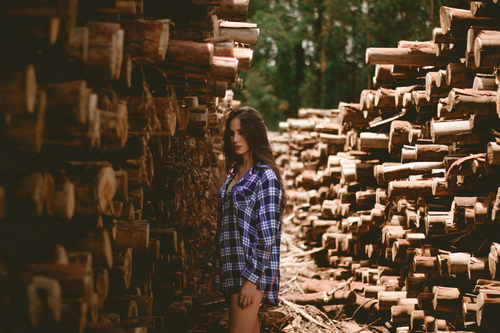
(247, 294)
(211, 283)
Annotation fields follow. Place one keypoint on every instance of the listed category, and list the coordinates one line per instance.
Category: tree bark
(240, 32)
(232, 10)
(18, 90)
(486, 47)
(103, 48)
(147, 38)
(456, 22)
(191, 53)
(405, 57)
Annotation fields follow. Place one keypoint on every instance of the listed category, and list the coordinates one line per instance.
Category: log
(458, 263)
(468, 101)
(484, 9)
(73, 315)
(484, 82)
(446, 299)
(240, 32)
(398, 134)
(63, 202)
(432, 91)
(456, 22)
(114, 127)
(385, 98)
(370, 140)
(441, 78)
(75, 280)
(493, 259)
(493, 153)
(387, 299)
(96, 242)
(223, 69)
(402, 171)
(147, 38)
(104, 46)
(425, 265)
(192, 53)
(87, 135)
(401, 314)
(18, 89)
(401, 91)
(101, 282)
(405, 57)
(410, 189)
(316, 286)
(77, 47)
(95, 186)
(121, 273)
(448, 131)
(439, 37)
(486, 46)
(25, 131)
(459, 76)
(134, 234)
(488, 304)
(478, 268)
(417, 318)
(232, 10)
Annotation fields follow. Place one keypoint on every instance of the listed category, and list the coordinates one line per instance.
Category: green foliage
(311, 53)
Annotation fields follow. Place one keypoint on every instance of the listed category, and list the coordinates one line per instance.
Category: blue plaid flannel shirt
(247, 243)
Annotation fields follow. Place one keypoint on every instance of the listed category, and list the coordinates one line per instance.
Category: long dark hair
(254, 131)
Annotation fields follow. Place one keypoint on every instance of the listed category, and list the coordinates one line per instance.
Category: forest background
(311, 53)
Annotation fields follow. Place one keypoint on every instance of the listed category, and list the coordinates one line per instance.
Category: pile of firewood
(110, 143)
(397, 196)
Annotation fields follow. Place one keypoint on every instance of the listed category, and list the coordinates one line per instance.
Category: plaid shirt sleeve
(268, 226)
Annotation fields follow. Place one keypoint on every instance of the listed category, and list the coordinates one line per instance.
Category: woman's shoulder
(265, 172)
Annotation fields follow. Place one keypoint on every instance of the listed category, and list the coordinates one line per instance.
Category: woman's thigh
(243, 320)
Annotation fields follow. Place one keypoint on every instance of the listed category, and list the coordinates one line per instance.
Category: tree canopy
(311, 53)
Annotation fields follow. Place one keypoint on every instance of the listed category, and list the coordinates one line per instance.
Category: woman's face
(240, 145)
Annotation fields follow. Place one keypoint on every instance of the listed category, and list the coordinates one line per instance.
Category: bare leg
(244, 320)
(256, 326)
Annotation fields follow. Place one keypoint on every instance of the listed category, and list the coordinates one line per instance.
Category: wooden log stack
(404, 185)
(111, 145)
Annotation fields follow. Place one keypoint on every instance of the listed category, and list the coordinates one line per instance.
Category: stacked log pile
(110, 145)
(398, 195)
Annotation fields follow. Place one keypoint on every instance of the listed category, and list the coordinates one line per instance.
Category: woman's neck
(247, 161)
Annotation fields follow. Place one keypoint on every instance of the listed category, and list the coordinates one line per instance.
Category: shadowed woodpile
(111, 145)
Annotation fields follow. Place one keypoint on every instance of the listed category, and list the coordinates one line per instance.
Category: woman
(251, 201)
